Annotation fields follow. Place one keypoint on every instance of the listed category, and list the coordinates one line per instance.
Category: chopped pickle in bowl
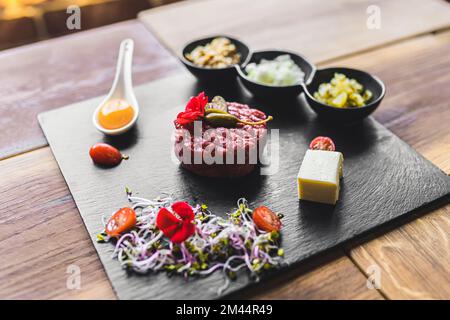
(342, 92)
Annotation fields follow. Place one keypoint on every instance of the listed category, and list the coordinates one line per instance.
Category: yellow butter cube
(319, 175)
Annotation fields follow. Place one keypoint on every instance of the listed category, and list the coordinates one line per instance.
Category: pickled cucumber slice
(217, 105)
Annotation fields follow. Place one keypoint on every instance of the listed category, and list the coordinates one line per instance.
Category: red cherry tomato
(266, 220)
(105, 155)
(322, 143)
(121, 221)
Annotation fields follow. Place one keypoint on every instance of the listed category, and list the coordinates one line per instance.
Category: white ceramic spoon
(122, 88)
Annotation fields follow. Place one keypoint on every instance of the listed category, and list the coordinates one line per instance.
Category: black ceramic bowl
(221, 75)
(275, 92)
(345, 115)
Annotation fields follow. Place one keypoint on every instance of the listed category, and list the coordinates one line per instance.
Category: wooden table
(41, 232)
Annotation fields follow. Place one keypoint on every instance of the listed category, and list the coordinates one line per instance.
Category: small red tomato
(266, 220)
(121, 221)
(105, 155)
(322, 143)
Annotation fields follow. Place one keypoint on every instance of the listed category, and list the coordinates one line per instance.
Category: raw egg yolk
(115, 114)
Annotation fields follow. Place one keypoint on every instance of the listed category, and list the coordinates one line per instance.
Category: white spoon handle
(122, 81)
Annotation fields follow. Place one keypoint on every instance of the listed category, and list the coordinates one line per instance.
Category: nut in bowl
(344, 95)
(213, 59)
(276, 74)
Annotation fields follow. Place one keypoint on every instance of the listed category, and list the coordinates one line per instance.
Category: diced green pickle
(342, 92)
(323, 90)
(356, 97)
(340, 101)
(367, 95)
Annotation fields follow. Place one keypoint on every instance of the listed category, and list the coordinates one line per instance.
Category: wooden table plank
(320, 30)
(41, 234)
(336, 278)
(54, 73)
(414, 259)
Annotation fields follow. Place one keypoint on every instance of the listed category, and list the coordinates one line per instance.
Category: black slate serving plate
(384, 179)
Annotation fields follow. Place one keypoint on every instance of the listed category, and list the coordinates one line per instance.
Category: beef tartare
(225, 139)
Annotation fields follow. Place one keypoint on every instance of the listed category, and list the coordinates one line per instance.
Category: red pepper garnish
(195, 110)
(177, 229)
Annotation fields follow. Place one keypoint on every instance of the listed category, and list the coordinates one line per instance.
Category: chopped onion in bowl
(282, 71)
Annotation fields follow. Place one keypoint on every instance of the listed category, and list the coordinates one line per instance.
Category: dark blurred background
(27, 21)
